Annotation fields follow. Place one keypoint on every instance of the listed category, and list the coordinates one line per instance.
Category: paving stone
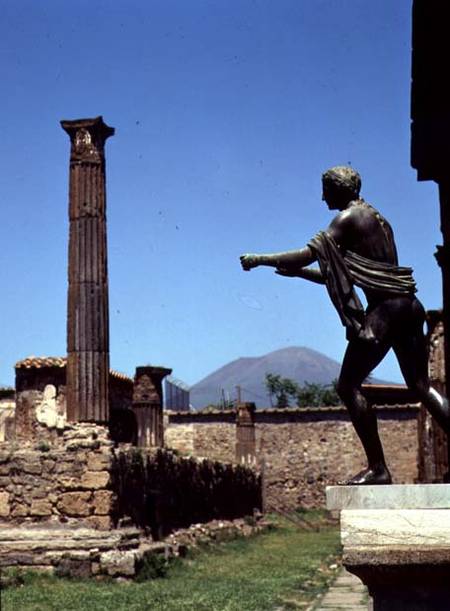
(346, 592)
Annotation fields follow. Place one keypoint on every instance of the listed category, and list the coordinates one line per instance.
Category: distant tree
(318, 395)
(309, 395)
(282, 390)
(330, 394)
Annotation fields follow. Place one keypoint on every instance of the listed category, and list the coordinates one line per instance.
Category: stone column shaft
(88, 319)
(245, 433)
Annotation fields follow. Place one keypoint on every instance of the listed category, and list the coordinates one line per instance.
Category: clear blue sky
(226, 114)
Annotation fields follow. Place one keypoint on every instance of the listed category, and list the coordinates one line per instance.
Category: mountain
(299, 364)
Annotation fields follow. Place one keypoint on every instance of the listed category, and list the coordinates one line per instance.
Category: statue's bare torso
(361, 229)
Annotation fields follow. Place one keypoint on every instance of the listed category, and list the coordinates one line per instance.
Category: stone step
(36, 545)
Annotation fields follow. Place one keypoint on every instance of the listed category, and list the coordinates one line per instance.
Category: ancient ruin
(86, 488)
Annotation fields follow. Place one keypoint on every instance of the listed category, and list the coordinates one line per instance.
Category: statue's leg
(412, 354)
(360, 359)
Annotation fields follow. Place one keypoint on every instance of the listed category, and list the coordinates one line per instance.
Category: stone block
(20, 511)
(48, 466)
(99, 522)
(25, 479)
(68, 482)
(381, 527)
(102, 502)
(82, 444)
(95, 568)
(40, 507)
(73, 567)
(75, 503)
(98, 461)
(31, 465)
(63, 467)
(40, 493)
(417, 496)
(5, 456)
(5, 508)
(397, 540)
(94, 480)
(118, 564)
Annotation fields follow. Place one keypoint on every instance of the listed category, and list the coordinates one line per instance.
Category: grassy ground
(282, 569)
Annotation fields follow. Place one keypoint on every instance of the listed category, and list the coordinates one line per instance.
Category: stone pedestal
(396, 539)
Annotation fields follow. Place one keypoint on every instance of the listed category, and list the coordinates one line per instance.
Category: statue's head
(341, 185)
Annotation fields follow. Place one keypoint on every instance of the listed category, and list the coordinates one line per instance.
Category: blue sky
(226, 114)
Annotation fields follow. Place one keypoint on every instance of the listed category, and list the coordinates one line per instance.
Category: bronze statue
(358, 249)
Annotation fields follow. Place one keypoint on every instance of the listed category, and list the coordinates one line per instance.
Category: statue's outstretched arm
(291, 258)
(308, 273)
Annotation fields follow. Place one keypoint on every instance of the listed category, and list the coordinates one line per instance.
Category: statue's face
(335, 198)
(330, 195)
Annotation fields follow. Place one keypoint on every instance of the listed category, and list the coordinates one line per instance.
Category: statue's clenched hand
(249, 261)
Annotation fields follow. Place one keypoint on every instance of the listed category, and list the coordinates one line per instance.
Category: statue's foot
(369, 477)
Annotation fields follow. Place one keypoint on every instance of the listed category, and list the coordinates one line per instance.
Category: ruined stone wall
(40, 399)
(79, 478)
(67, 481)
(300, 452)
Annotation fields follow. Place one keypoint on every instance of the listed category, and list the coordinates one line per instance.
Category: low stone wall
(80, 505)
(82, 480)
(301, 451)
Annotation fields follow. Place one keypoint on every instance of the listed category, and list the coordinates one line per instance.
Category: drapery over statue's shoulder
(342, 272)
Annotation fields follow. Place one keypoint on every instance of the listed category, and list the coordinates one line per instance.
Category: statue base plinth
(396, 539)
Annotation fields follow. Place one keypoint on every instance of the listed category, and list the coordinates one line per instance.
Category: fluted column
(88, 317)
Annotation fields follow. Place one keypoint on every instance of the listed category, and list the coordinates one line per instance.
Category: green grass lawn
(280, 569)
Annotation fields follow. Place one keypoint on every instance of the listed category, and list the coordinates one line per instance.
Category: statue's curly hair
(344, 178)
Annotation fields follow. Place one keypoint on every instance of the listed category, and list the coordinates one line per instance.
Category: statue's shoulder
(346, 217)
(357, 212)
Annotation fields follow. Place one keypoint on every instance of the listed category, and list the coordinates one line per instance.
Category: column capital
(87, 137)
(147, 384)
